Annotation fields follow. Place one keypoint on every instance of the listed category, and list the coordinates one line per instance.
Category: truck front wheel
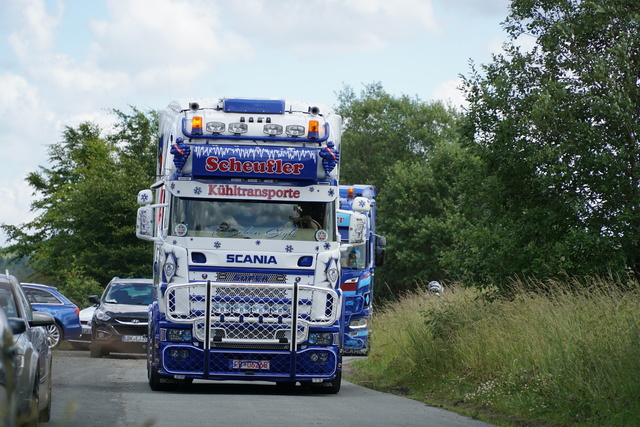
(329, 387)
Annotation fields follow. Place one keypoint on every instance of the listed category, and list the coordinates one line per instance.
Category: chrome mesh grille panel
(243, 313)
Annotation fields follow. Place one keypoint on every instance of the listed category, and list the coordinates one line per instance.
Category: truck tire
(158, 382)
(329, 387)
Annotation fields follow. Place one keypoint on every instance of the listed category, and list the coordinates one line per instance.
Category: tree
(380, 130)
(87, 203)
(409, 150)
(556, 128)
(422, 217)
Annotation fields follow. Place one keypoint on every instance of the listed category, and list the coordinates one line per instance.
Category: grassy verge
(551, 357)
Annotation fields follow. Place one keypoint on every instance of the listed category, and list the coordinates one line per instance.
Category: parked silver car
(31, 349)
(8, 366)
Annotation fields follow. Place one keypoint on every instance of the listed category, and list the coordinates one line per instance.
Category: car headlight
(102, 315)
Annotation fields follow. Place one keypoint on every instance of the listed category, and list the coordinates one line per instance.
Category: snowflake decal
(197, 190)
(362, 203)
(331, 192)
(311, 189)
(173, 186)
(144, 197)
(217, 245)
(289, 248)
(327, 246)
(258, 242)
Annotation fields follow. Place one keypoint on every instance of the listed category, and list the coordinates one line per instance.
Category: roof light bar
(215, 127)
(237, 128)
(272, 129)
(295, 130)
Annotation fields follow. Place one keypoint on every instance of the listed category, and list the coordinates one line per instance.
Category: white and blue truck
(246, 244)
(362, 251)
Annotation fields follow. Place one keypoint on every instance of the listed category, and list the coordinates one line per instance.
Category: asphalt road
(113, 391)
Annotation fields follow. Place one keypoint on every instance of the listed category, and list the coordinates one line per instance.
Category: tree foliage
(556, 128)
(404, 147)
(86, 204)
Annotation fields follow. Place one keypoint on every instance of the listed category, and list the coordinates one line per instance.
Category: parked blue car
(48, 299)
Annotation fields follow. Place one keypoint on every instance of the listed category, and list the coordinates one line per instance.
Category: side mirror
(144, 223)
(42, 319)
(380, 253)
(361, 204)
(93, 299)
(357, 227)
(17, 325)
(381, 242)
(145, 197)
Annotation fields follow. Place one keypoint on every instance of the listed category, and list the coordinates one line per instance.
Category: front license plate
(134, 338)
(261, 365)
(86, 331)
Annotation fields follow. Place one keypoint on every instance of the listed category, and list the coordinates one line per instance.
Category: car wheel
(96, 351)
(55, 335)
(30, 418)
(45, 414)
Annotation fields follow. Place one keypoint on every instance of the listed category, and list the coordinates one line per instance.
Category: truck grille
(251, 314)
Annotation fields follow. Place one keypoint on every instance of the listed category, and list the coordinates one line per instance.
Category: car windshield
(7, 302)
(303, 221)
(130, 293)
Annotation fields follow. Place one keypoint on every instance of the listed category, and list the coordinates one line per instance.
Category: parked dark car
(84, 340)
(48, 299)
(120, 320)
(32, 351)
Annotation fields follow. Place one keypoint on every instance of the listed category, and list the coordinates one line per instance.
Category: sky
(64, 62)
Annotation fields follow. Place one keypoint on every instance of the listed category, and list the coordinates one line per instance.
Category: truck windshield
(303, 221)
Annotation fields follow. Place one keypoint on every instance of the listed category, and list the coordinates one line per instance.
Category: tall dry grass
(568, 352)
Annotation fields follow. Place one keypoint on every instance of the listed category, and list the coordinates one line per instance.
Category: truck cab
(361, 251)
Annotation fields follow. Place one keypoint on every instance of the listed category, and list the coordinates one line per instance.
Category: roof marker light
(196, 125)
(314, 129)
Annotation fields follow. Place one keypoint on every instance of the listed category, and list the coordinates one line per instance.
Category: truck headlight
(358, 323)
(179, 335)
(320, 338)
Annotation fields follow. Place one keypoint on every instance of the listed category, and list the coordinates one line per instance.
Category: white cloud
(15, 194)
(449, 92)
(308, 28)
(24, 119)
(154, 40)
